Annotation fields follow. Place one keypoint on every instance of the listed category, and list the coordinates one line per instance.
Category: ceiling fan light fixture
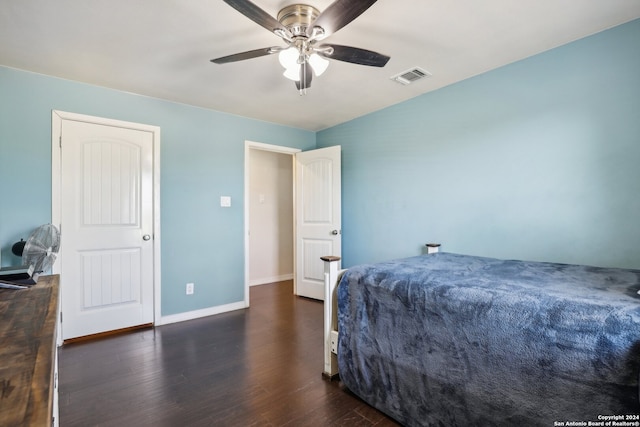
(318, 63)
(302, 26)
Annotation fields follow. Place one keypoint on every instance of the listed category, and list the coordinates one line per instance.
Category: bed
(446, 339)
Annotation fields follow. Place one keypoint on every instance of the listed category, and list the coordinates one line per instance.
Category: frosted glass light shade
(289, 57)
(318, 63)
(292, 73)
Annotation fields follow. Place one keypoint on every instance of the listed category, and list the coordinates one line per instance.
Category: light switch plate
(225, 201)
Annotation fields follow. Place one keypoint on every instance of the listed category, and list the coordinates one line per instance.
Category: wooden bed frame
(332, 275)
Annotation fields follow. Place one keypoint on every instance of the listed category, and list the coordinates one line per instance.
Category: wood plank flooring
(256, 367)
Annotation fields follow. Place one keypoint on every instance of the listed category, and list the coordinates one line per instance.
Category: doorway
(270, 217)
(269, 220)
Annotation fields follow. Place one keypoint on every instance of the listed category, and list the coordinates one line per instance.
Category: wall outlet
(189, 289)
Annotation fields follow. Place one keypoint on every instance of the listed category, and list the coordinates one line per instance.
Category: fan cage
(41, 248)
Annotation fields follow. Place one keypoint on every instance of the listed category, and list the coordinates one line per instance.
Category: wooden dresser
(28, 354)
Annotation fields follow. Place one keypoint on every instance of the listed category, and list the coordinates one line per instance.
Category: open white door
(318, 217)
(107, 220)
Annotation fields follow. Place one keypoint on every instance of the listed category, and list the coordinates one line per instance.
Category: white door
(318, 217)
(107, 227)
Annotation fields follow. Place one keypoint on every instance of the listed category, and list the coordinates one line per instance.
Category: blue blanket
(455, 340)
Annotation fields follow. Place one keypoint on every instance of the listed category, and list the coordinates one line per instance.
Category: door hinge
(60, 317)
(60, 141)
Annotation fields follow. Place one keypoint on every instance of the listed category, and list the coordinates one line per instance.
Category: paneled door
(318, 217)
(107, 252)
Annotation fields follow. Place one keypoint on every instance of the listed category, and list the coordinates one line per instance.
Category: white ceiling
(162, 48)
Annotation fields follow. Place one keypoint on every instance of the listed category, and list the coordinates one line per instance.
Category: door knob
(146, 237)
(334, 232)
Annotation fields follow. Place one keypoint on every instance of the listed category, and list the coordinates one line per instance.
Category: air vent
(411, 75)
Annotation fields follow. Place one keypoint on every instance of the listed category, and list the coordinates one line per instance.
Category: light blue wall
(202, 158)
(536, 160)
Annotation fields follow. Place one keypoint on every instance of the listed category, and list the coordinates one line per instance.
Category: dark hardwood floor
(256, 367)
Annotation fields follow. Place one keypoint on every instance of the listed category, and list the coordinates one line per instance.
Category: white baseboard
(274, 279)
(196, 314)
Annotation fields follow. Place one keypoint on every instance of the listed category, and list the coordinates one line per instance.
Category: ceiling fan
(302, 28)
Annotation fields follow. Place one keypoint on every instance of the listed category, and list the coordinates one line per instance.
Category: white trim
(270, 147)
(56, 191)
(251, 145)
(196, 314)
(267, 280)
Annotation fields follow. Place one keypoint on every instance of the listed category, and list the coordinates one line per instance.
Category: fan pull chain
(303, 79)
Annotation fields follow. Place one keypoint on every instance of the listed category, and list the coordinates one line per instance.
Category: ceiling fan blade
(259, 16)
(306, 73)
(245, 55)
(338, 14)
(354, 55)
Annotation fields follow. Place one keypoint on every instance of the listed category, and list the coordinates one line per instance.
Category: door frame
(248, 146)
(57, 117)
